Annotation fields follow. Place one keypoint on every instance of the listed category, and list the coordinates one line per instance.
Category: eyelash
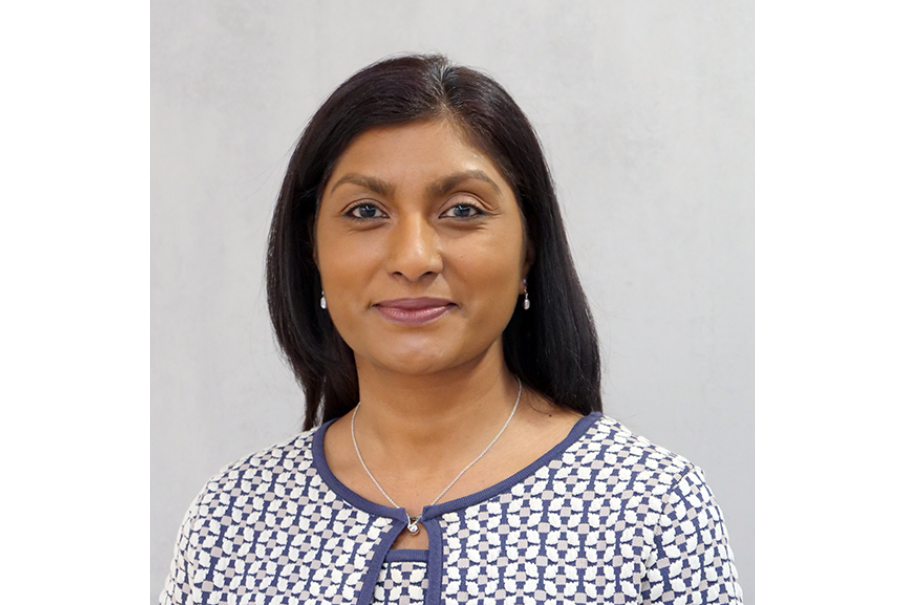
(351, 212)
(478, 211)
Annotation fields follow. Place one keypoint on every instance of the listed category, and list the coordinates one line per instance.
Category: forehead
(415, 151)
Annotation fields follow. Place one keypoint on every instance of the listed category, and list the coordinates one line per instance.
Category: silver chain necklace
(414, 521)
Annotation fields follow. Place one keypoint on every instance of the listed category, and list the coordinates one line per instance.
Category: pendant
(413, 525)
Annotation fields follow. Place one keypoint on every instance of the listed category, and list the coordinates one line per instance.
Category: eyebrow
(368, 182)
(446, 184)
(441, 187)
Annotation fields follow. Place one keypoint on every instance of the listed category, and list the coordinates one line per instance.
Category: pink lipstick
(413, 311)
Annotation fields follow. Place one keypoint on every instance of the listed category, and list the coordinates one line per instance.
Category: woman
(421, 287)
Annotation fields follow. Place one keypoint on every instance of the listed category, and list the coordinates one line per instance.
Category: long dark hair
(552, 347)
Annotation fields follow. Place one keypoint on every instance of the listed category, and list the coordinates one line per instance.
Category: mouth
(414, 311)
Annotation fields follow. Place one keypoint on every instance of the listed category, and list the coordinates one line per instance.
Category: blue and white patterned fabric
(604, 517)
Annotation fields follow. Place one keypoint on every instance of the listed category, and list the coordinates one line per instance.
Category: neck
(433, 419)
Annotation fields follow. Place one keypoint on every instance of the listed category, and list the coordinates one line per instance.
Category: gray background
(646, 112)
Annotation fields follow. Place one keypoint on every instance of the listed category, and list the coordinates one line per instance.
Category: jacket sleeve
(691, 562)
(178, 587)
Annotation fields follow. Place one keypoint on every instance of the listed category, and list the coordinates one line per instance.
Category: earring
(323, 300)
(527, 303)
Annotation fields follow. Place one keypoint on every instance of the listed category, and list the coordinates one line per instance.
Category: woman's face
(421, 249)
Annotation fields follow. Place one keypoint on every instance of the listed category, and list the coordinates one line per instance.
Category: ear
(312, 236)
(529, 259)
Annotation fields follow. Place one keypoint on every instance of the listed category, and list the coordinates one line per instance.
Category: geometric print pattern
(401, 583)
(605, 517)
(614, 520)
(267, 530)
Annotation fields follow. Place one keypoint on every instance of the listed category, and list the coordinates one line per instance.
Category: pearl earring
(527, 303)
(323, 300)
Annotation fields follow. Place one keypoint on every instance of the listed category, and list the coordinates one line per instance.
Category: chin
(424, 354)
(418, 365)
(414, 361)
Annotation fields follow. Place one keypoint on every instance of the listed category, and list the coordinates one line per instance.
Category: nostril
(415, 251)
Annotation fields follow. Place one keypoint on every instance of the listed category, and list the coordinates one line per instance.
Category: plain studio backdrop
(646, 113)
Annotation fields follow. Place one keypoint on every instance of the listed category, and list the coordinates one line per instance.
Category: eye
(366, 211)
(463, 211)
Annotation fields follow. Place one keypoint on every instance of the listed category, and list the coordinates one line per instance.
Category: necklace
(413, 522)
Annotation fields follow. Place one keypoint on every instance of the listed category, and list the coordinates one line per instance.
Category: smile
(413, 311)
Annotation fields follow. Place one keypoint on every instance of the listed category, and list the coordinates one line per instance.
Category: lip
(414, 311)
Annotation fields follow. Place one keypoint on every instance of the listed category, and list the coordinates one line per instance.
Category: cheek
(491, 273)
(343, 265)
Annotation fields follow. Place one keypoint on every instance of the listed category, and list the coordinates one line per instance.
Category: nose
(414, 249)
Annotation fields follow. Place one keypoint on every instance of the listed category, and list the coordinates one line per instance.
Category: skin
(410, 212)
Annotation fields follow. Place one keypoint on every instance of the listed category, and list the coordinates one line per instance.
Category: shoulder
(280, 469)
(608, 443)
(617, 462)
(650, 495)
(282, 459)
